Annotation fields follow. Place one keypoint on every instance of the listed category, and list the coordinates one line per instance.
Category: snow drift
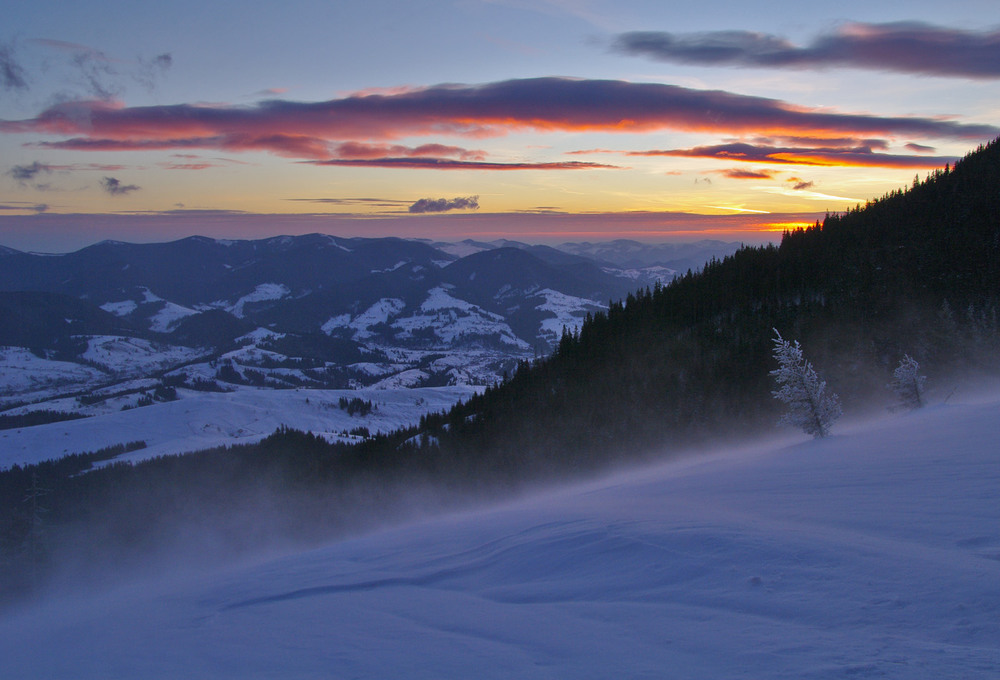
(870, 553)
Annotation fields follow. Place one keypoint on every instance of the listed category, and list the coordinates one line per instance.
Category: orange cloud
(854, 157)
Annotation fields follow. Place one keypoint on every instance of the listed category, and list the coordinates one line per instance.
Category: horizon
(540, 122)
(61, 234)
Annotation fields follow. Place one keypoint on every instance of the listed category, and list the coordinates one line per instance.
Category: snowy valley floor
(874, 553)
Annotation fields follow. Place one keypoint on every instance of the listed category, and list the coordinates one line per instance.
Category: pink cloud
(312, 130)
(738, 173)
(424, 163)
(360, 150)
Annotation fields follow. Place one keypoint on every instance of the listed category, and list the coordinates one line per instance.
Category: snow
(264, 291)
(655, 273)
(260, 335)
(123, 308)
(200, 420)
(439, 298)
(569, 312)
(380, 312)
(871, 553)
(335, 322)
(404, 379)
(168, 316)
(452, 319)
(135, 356)
(401, 263)
(22, 372)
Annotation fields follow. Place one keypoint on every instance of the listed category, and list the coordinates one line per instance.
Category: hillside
(305, 312)
(916, 272)
(874, 553)
(680, 365)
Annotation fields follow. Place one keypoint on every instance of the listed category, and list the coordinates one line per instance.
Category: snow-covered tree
(801, 389)
(908, 384)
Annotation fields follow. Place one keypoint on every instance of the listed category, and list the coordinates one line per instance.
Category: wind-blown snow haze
(874, 552)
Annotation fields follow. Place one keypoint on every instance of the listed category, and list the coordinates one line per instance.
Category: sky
(534, 120)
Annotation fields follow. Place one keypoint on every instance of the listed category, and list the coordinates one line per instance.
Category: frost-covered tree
(908, 384)
(802, 391)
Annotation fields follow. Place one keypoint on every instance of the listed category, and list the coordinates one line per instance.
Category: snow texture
(200, 420)
(380, 312)
(23, 372)
(335, 322)
(869, 554)
(123, 308)
(452, 320)
(260, 335)
(164, 320)
(263, 292)
(135, 356)
(569, 312)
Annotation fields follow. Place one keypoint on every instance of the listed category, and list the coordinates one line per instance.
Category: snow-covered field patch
(451, 320)
(199, 420)
(168, 316)
(869, 554)
(380, 312)
(569, 312)
(135, 356)
(263, 292)
(22, 372)
(123, 308)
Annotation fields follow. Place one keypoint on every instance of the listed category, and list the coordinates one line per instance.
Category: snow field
(135, 356)
(869, 554)
(21, 372)
(569, 312)
(200, 420)
(263, 292)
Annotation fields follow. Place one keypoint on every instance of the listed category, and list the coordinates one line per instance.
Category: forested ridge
(915, 272)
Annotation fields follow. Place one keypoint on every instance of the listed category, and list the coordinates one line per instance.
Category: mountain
(628, 254)
(334, 312)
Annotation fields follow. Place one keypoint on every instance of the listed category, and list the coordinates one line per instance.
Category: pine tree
(36, 524)
(908, 384)
(801, 389)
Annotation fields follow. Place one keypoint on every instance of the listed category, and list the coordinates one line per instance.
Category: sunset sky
(535, 120)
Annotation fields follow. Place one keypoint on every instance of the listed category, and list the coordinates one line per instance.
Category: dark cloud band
(906, 47)
(114, 186)
(438, 205)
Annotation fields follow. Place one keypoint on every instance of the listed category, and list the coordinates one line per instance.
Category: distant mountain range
(313, 310)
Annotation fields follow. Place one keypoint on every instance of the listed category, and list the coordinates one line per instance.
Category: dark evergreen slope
(48, 320)
(915, 272)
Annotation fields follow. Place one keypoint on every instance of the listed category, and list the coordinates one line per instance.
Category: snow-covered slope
(201, 420)
(874, 553)
(21, 371)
